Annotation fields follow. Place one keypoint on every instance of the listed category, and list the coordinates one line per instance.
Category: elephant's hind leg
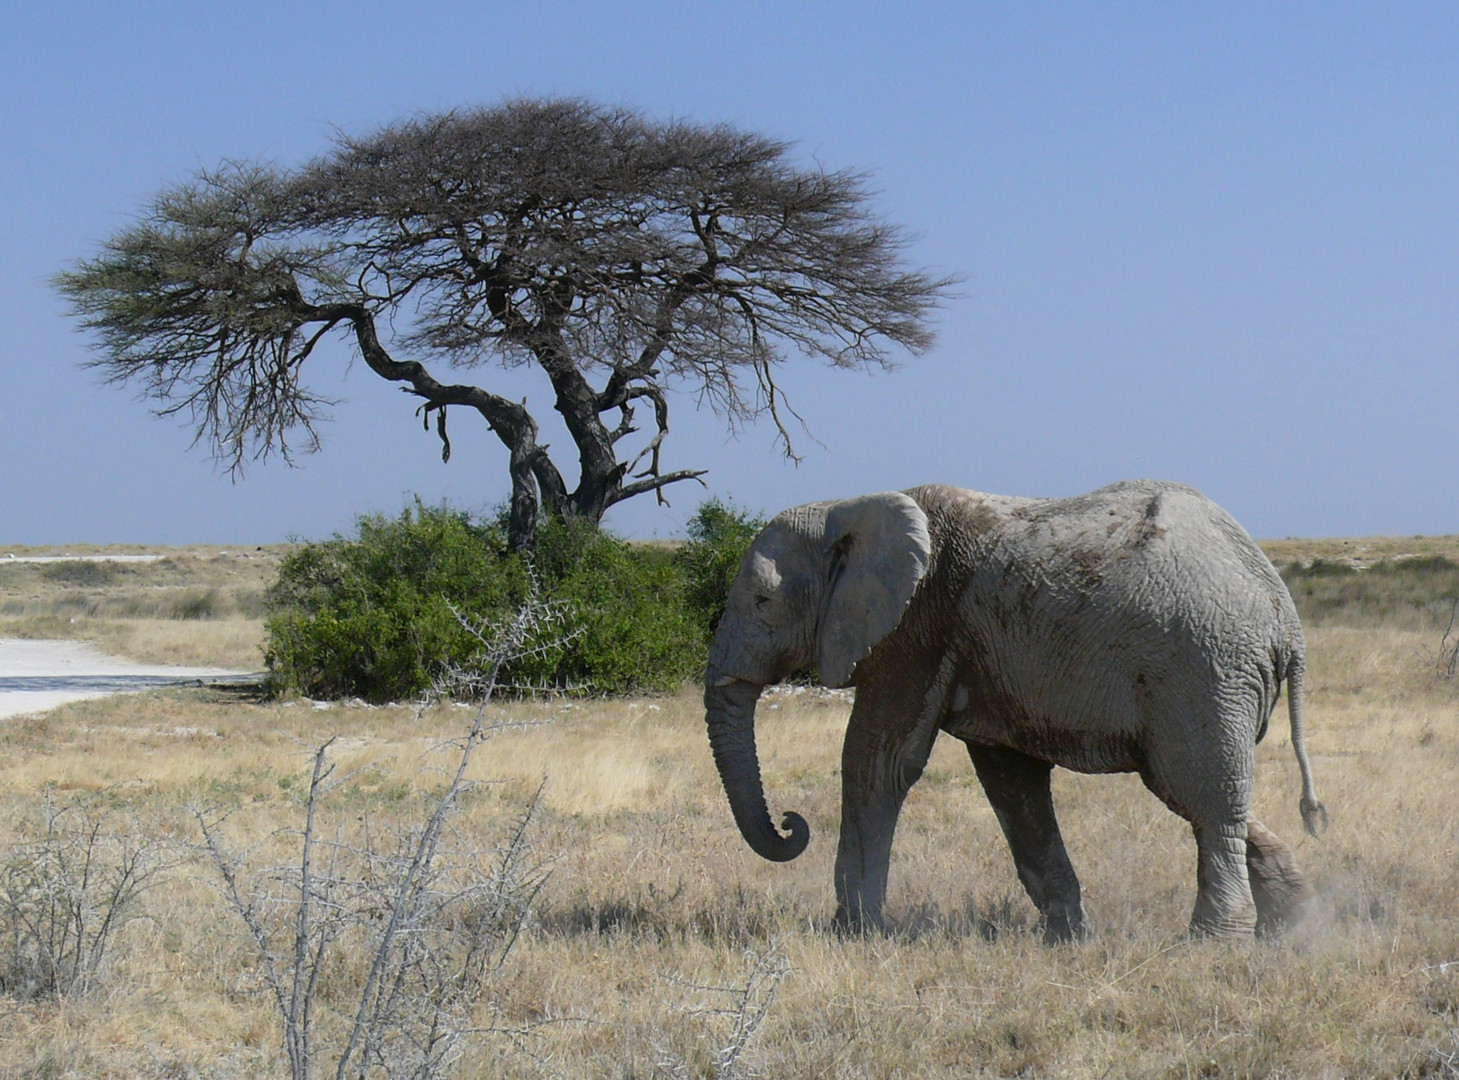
(1210, 786)
(1281, 891)
(1018, 786)
(1208, 781)
(1224, 906)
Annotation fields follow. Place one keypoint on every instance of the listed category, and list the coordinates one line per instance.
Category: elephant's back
(1145, 552)
(1156, 549)
(1115, 590)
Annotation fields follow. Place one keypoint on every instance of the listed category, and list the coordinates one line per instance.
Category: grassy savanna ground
(149, 612)
(1360, 551)
(654, 900)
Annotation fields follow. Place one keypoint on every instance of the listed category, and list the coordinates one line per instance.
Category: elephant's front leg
(887, 745)
(1019, 787)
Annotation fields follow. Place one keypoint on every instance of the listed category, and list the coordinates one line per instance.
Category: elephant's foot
(1280, 890)
(1063, 924)
(858, 922)
(1238, 923)
(1224, 906)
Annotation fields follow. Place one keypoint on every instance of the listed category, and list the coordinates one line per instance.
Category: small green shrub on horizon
(372, 616)
(80, 572)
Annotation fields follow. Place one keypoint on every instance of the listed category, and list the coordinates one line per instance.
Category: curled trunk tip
(796, 842)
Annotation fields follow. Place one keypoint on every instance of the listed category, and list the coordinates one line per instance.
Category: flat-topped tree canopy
(619, 254)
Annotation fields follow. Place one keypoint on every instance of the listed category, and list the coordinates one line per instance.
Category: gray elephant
(1133, 629)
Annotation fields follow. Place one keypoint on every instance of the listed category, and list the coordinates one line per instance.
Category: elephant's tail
(1314, 814)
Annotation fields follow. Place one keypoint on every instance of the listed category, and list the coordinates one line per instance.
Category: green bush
(632, 627)
(719, 534)
(372, 616)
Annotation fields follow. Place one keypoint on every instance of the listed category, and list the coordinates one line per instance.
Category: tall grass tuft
(199, 604)
(82, 572)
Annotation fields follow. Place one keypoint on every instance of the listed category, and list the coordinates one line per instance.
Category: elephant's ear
(878, 550)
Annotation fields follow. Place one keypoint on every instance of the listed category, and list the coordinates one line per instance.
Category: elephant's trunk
(729, 710)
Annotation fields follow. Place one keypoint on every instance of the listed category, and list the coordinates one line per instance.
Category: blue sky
(1210, 243)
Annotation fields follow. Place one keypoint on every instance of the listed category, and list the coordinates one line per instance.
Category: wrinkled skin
(1134, 629)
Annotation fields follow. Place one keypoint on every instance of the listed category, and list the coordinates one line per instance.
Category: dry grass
(654, 894)
(200, 605)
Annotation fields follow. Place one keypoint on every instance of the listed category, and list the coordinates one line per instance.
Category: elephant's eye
(762, 602)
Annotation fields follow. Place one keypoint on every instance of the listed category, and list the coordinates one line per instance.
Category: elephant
(1136, 628)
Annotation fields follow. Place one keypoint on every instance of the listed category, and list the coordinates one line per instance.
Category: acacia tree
(620, 255)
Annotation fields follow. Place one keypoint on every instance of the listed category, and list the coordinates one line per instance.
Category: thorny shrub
(69, 882)
(376, 944)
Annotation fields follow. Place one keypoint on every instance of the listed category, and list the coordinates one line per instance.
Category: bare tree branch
(619, 256)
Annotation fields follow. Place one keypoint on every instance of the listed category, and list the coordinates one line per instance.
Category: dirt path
(39, 675)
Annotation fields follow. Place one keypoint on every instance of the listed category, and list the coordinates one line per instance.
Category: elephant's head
(823, 584)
